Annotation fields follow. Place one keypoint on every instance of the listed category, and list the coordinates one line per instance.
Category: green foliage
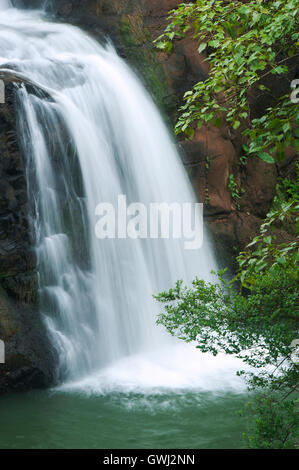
(254, 317)
(245, 44)
(258, 327)
(273, 132)
(234, 190)
(265, 249)
(288, 188)
(274, 422)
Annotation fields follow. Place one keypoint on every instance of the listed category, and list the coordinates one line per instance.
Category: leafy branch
(245, 43)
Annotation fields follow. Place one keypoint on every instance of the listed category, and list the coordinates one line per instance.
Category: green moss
(137, 43)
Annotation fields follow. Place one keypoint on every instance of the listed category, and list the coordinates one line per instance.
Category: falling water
(92, 134)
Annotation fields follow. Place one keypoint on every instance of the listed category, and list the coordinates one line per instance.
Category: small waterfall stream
(97, 135)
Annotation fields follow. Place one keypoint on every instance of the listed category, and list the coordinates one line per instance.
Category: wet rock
(30, 359)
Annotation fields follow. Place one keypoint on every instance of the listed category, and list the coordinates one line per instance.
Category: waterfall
(4, 4)
(96, 134)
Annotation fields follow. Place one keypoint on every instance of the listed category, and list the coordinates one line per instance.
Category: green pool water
(54, 420)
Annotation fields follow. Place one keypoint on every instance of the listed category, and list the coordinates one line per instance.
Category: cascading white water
(98, 137)
(4, 4)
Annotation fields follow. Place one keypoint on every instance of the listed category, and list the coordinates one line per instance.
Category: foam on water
(176, 369)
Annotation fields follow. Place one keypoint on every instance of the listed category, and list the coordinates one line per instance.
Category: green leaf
(266, 157)
(236, 125)
(202, 47)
